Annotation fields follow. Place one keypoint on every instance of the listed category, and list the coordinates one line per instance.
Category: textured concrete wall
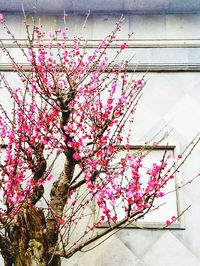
(169, 98)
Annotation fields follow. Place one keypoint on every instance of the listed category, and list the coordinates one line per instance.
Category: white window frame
(180, 222)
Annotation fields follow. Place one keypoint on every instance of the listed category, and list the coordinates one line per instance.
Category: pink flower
(123, 163)
(168, 222)
(61, 221)
(2, 17)
(76, 156)
(179, 156)
(113, 87)
(127, 146)
(139, 82)
(30, 57)
(123, 46)
(173, 219)
(110, 101)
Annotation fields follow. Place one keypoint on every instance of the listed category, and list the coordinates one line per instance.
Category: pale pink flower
(2, 17)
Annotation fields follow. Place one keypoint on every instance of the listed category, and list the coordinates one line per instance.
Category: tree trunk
(35, 259)
(29, 241)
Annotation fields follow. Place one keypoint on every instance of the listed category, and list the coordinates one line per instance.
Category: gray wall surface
(132, 6)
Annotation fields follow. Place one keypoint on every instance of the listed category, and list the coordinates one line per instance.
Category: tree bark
(29, 240)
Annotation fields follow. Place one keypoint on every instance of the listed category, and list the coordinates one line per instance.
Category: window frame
(180, 223)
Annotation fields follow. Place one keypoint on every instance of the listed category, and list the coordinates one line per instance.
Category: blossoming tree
(61, 173)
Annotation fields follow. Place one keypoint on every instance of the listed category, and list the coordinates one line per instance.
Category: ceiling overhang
(102, 6)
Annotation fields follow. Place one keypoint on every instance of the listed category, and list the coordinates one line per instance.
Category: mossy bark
(30, 244)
